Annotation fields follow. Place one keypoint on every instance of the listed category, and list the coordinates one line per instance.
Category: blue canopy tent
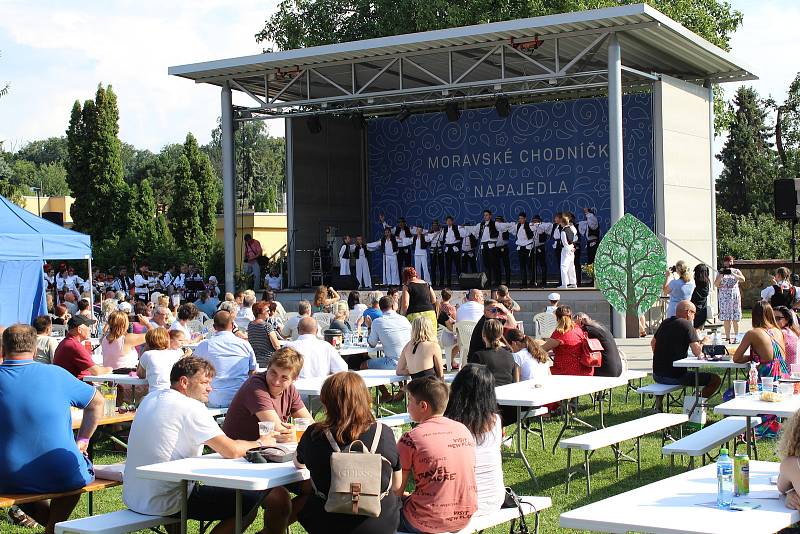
(25, 242)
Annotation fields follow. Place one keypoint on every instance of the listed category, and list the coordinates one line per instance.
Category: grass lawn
(549, 468)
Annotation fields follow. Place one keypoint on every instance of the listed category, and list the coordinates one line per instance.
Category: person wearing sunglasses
(788, 323)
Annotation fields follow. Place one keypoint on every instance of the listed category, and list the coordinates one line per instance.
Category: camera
(672, 269)
(725, 270)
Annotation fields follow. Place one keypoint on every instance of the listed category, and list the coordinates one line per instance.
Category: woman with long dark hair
(348, 417)
(786, 320)
(473, 403)
(702, 285)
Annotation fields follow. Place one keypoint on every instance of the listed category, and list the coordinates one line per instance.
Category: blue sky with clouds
(56, 52)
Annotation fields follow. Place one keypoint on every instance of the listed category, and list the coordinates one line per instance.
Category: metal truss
(571, 61)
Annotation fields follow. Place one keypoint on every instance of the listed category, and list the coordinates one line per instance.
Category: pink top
(790, 339)
(114, 357)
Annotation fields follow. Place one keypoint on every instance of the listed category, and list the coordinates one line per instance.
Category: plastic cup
(796, 370)
(786, 389)
(300, 426)
(265, 428)
(767, 383)
(740, 388)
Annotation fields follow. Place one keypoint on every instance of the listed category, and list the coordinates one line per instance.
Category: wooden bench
(9, 500)
(119, 522)
(612, 436)
(660, 390)
(700, 443)
(530, 505)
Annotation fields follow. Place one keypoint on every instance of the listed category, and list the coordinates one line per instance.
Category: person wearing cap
(72, 355)
(553, 298)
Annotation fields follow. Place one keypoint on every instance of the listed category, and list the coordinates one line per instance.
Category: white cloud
(71, 47)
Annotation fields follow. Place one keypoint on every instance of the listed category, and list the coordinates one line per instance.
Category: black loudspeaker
(786, 198)
(473, 281)
(54, 217)
(347, 281)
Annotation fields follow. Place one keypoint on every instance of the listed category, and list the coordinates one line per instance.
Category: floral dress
(730, 300)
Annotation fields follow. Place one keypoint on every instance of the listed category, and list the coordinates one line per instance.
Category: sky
(54, 52)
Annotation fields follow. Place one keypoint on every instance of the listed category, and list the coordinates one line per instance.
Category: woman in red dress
(567, 344)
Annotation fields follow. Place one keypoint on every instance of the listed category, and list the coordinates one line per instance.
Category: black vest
(493, 233)
(394, 244)
(346, 255)
(505, 235)
(782, 297)
(570, 233)
(405, 229)
(454, 228)
(357, 250)
(423, 245)
(527, 228)
(593, 234)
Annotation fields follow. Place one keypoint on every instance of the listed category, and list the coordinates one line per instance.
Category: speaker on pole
(787, 207)
(473, 280)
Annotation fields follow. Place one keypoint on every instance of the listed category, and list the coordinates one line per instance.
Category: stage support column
(228, 189)
(615, 148)
(710, 88)
(290, 228)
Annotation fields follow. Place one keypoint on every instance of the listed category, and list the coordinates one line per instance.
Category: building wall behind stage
(683, 171)
(268, 228)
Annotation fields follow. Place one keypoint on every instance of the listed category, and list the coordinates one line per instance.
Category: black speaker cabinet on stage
(347, 281)
(787, 206)
(473, 281)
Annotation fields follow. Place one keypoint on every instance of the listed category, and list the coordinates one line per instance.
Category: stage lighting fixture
(358, 121)
(403, 114)
(452, 111)
(314, 124)
(502, 106)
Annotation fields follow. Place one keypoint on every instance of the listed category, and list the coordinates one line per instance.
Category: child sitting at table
(789, 451)
(441, 453)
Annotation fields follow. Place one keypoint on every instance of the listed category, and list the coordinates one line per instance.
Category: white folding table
(372, 378)
(117, 379)
(213, 470)
(687, 503)
(553, 388)
(697, 363)
(752, 405)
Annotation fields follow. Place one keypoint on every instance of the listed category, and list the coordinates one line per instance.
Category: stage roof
(525, 56)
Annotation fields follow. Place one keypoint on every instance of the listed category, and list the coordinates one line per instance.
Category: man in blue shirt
(393, 331)
(37, 451)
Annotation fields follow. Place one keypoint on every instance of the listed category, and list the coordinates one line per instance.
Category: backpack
(355, 478)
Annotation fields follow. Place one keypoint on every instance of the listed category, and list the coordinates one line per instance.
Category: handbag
(591, 353)
(518, 525)
(270, 454)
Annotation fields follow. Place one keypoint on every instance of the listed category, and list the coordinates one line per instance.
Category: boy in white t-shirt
(173, 424)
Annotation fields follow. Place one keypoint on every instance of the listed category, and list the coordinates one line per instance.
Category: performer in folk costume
(592, 233)
(452, 239)
(359, 252)
(403, 234)
(567, 236)
(577, 242)
(344, 257)
(487, 233)
(469, 261)
(542, 232)
(525, 248)
(389, 247)
(144, 282)
(436, 248)
(419, 247)
(503, 255)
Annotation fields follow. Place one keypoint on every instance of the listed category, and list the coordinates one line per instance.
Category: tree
(4, 90)
(207, 186)
(40, 152)
(629, 269)
(184, 214)
(141, 237)
(787, 131)
(753, 236)
(94, 171)
(745, 183)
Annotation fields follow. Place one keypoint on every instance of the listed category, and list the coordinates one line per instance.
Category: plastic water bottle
(724, 480)
(717, 340)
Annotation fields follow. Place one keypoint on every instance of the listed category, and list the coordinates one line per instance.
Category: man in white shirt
(289, 330)
(472, 309)
(246, 311)
(779, 281)
(173, 424)
(393, 331)
(232, 357)
(319, 357)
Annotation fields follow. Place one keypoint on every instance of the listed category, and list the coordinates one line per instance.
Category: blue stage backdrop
(542, 159)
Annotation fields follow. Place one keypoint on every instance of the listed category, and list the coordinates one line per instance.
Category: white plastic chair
(323, 320)
(195, 326)
(447, 340)
(464, 335)
(242, 323)
(544, 324)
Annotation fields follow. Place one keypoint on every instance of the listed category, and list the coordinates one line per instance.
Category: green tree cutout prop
(629, 269)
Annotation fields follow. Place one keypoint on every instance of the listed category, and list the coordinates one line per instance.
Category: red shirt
(566, 361)
(252, 250)
(253, 397)
(73, 356)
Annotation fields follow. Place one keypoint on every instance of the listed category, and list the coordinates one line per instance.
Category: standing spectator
(324, 298)
(786, 320)
(46, 344)
(567, 344)
(72, 354)
(730, 299)
(173, 424)
(437, 445)
(118, 346)
(678, 289)
(156, 363)
(612, 362)
(418, 298)
(347, 418)
(531, 360)
(319, 357)
(473, 404)
(262, 335)
(38, 453)
(702, 285)
(232, 358)
(472, 308)
(252, 253)
(393, 331)
(422, 355)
